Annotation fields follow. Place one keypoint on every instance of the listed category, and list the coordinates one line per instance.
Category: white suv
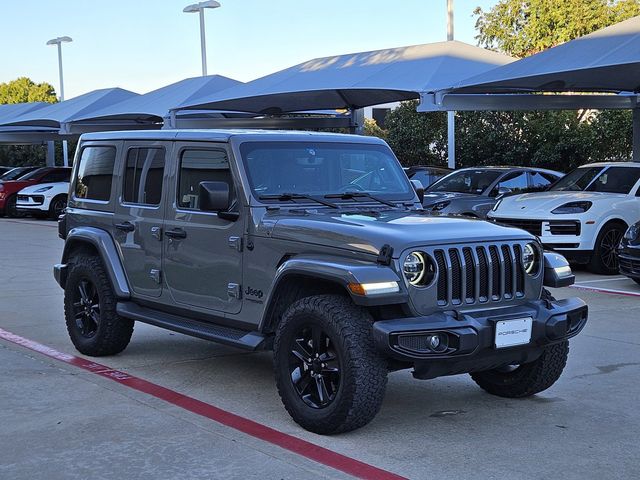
(44, 199)
(583, 216)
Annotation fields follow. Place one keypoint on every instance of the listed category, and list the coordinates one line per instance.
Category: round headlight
(530, 259)
(414, 267)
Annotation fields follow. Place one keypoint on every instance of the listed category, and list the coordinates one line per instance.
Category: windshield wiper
(354, 195)
(288, 197)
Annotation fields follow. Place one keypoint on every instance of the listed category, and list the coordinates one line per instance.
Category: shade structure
(54, 115)
(605, 61)
(154, 106)
(355, 80)
(13, 110)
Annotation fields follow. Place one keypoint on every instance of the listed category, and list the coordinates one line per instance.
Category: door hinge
(156, 232)
(235, 243)
(233, 290)
(156, 275)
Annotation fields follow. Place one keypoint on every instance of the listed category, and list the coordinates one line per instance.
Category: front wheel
(329, 375)
(518, 381)
(605, 259)
(58, 204)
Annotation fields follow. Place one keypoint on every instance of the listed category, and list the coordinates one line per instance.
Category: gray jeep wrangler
(314, 246)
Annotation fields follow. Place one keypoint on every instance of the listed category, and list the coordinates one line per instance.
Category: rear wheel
(329, 375)
(604, 259)
(517, 381)
(90, 310)
(10, 208)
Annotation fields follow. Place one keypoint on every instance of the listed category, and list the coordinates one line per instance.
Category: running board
(194, 328)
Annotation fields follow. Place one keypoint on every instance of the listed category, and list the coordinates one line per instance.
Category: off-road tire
(529, 378)
(596, 263)
(363, 370)
(113, 332)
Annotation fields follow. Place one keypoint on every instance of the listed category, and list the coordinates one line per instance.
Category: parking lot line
(610, 291)
(288, 442)
(609, 279)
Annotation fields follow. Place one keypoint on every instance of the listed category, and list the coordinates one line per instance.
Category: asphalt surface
(58, 421)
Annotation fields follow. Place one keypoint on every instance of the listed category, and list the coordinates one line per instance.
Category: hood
(57, 187)
(368, 231)
(544, 202)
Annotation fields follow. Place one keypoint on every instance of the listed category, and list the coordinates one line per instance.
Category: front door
(139, 213)
(202, 256)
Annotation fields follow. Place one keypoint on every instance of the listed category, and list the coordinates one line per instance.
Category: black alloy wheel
(314, 366)
(58, 204)
(86, 308)
(608, 247)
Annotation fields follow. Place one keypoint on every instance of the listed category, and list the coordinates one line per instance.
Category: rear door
(139, 211)
(203, 259)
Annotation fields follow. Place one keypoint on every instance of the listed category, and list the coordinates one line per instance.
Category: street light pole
(451, 116)
(200, 7)
(58, 42)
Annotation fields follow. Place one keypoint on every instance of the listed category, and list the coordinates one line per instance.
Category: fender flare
(342, 272)
(106, 248)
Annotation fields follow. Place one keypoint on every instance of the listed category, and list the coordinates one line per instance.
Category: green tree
(521, 28)
(23, 89)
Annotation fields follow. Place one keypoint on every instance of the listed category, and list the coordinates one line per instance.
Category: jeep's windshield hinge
(385, 255)
(156, 232)
(235, 243)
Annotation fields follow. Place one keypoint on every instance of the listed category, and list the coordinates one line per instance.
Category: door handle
(125, 226)
(176, 233)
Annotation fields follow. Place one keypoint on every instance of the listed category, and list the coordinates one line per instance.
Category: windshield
(599, 179)
(35, 174)
(474, 181)
(13, 174)
(319, 169)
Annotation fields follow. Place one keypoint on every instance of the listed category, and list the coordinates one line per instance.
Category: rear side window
(201, 166)
(95, 173)
(143, 176)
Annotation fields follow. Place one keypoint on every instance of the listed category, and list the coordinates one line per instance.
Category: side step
(194, 328)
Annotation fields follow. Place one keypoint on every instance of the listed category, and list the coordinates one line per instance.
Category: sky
(141, 45)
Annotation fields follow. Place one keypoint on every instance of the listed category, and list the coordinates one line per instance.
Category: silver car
(473, 192)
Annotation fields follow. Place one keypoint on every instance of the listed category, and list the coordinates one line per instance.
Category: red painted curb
(303, 448)
(609, 291)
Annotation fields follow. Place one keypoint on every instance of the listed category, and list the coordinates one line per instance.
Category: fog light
(438, 342)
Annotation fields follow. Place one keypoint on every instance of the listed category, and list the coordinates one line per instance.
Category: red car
(9, 190)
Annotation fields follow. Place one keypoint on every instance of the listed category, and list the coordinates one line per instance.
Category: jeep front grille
(468, 275)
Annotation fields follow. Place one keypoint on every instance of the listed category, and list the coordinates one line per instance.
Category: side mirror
(213, 196)
(502, 191)
(417, 186)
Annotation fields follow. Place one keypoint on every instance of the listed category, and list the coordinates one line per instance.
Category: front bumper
(629, 260)
(471, 336)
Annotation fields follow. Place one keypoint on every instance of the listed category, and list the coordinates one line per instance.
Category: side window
(540, 181)
(62, 175)
(95, 173)
(143, 174)
(201, 166)
(515, 182)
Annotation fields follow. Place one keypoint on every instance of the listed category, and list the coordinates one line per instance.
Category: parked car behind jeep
(314, 246)
(473, 192)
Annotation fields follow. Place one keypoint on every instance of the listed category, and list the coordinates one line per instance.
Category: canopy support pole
(51, 154)
(65, 153)
(357, 121)
(451, 139)
(636, 135)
